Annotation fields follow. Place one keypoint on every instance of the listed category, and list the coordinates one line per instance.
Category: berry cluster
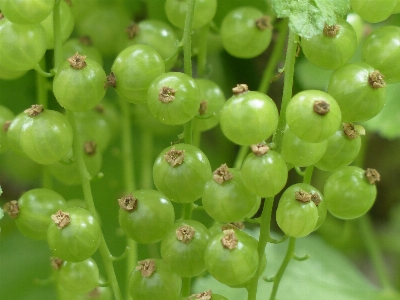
(70, 132)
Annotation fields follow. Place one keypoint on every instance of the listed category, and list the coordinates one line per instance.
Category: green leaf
(386, 123)
(327, 275)
(308, 17)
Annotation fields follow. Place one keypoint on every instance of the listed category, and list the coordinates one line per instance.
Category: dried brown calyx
(6, 125)
(185, 233)
(375, 79)
(34, 110)
(233, 225)
(372, 175)
(353, 131)
(315, 197)
(69, 2)
(207, 295)
(132, 30)
(99, 108)
(222, 174)
(259, 149)
(86, 40)
(1, 15)
(229, 240)
(128, 203)
(203, 107)
(331, 30)
(321, 107)
(111, 81)
(264, 23)
(11, 208)
(61, 219)
(166, 94)
(90, 148)
(77, 61)
(240, 89)
(95, 293)
(302, 196)
(147, 267)
(56, 263)
(174, 157)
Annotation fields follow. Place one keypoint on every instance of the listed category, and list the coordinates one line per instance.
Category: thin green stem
(187, 39)
(287, 90)
(188, 132)
(274, 58)
(368, 236)
(58, 56)
(187, 211)
(87, 192)
(129, 178)
(241, 156)
(186, 286)
(202, 51)
(41, 72)
(289, 255)
(265, 226)
(146, 157)
(308, 174)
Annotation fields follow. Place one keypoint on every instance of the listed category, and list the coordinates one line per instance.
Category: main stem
(57, 35)
(187, 66)
(87, 192)
(129, 178)
(287, 90)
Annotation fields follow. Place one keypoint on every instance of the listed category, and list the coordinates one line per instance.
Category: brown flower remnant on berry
(146, 267)
(174, 157)
(1, 15)
(132, 30)
(95, 293)
(77, 61)
(6, 125)
(166, 94)
(99, 108)
(11, 208)
(111, 81)
(68, 2)
(128, 203)
(85, 40)
(372, 176)
(375, 79)
(259, 149)
(207, 295)
(302, 196)
(229, 240)
(321, 107)
(56, 263)
(222, 174)
(350, 131)
(185, 233)
(34, 110)
(240, 89)
(264, 23)
(233, 225)
(90, 148)
(203, 107)
(61, 219)
(315, 198)
(331, 30)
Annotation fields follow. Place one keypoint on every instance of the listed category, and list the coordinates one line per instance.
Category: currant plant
(143, 154)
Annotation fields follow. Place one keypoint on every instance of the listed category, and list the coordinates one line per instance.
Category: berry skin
(27, 12)
(298, 218)
(79, 83)
(246, 32)
(231, 257)
(134, 70)
(313, 115)
(180, 173)
(333, 47)
(6, 117)
(21, 46)
(14, 132)
(74, 234)
(360, 91)
(373, 11)
(249, 118)
(348, 192)
(78, 277)
(153, 279)
(173, 98)
(46, 137)
(35, 209)
(380, 49)
(146, 216)
(183, 248)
